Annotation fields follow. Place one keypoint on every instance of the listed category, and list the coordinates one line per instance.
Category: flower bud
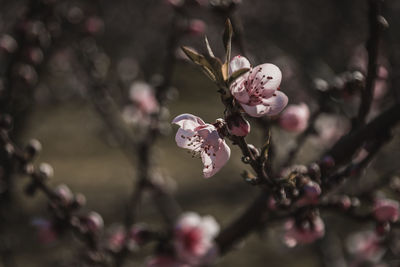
(386, 210)
(196, 27)
(237, 125)
(94, 222)
(8, 43)
(64, 193)
(295, 118)
(94, 25)
(33, 148)
(46, 170)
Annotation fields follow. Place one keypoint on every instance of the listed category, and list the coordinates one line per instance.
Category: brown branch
(376, 23)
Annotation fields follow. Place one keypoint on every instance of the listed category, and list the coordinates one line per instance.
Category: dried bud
(64, 193)
(33, 148)
(46, 170)
(6, 122)
(237, 125)
(94, 222)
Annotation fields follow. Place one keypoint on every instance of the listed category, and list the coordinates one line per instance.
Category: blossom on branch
(257, 90)
(295, 118)
(203, 140)
(193, 238)
(386, 210)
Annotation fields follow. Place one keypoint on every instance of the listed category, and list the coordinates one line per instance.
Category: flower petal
(257, 110)
(238, 63)
(276, 103)
(266, 78)
(188, 121)
(215, 160)
(184, 139)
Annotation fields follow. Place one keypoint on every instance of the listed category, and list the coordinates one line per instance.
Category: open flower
(193, 238)
(257, 90)
(295, 118)
(203, 140)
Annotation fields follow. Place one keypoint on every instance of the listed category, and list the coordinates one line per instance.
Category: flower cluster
(257, 93)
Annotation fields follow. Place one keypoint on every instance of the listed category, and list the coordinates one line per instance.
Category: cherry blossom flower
(193, 238)
(386, 210)
(203, 140)
(295, 118)
(257, 90)
(142, 95)
(304, 234)
(365, 246)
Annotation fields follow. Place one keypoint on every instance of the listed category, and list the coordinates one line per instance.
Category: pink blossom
(386, 210)
(257, 90)
(295, 118)
(193, 238)
(203, 140)
(365, 246)
(304, 234)
(142, 94)
(164, 261)
(196, 27)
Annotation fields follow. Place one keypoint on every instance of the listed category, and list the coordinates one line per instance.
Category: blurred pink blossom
(257, 90)
(196, 27)
(142, 94)
(304, 234)
(364, 246)
(386, 210)
(203, 140)
(193, 238)
(295, 118)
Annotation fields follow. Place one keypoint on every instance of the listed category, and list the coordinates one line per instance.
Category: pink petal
(188, 121)
(238, 63)
(184, 138)
(276, 103)
(256, 111)
(270, 76)
(215, 160)
(238, 90)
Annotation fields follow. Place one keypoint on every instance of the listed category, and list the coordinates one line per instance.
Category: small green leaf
(237, 74)
(210, 52)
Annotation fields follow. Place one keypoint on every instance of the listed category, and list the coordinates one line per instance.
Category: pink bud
(94, 25)
(64, 193)
(237, 125)
(196, 27)
(305, 234)
(295, 118)
(8, 43)
(94, 222)
(386, 210)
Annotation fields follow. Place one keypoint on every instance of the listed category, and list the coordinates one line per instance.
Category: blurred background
(306, 39)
